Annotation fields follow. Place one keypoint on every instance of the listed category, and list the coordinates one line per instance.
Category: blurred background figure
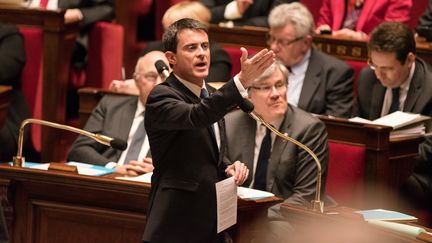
(122, 117)
(231, 13)
(12, 60)
(220, 64)
(355, 19)
(318, 83)
(424, 26)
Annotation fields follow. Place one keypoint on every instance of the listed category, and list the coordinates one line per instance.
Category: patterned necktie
(261, 167)
(136, 143)
(43, 3)
(395, 100)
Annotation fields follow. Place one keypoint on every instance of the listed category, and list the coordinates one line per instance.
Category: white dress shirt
(296, 79)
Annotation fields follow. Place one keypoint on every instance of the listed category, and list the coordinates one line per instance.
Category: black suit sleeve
(426, 19)
(96, 10)
(85, 149)
(12, 55)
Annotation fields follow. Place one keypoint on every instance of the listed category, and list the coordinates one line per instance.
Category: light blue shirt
(296, 79)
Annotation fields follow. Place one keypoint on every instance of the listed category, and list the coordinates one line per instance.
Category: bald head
(146, 75)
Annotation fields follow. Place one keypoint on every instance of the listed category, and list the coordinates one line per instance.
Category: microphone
(113, 142)
(317, 205)
(162, 69)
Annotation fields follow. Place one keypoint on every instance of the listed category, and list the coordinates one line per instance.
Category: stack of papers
(403, 123)
(249, 193)
(386, 215)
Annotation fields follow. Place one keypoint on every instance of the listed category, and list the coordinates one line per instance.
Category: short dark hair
(169, 37)
(393, 37)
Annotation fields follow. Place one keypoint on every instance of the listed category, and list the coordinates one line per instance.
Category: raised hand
(253, 67)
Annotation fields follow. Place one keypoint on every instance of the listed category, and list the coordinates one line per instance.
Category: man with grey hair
(277, 166)
(319, 83)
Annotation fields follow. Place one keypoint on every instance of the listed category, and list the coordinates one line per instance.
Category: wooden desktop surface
(4, 103)
(59, 40)
(53, 206)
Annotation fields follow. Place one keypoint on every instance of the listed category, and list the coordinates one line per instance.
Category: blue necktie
(395, 100)
(261, 167)
(136, 143)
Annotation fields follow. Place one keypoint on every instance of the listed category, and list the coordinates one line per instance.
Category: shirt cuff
(232, 11)
(239, 85)
(111, 165)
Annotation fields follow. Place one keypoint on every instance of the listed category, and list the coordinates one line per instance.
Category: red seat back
(417, 10)
(32, 77)
(235, 54)
(345, 173)
(357, 66)
(313, 6)
(105, 54)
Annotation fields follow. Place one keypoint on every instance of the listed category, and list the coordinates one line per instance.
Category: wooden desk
(389, 162)
(4, 103)
(49, 206)
(59, 39)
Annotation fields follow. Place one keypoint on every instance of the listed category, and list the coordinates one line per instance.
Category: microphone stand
(316, 204)
(19, 160)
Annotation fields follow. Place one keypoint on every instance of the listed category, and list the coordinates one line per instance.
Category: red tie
(43, 3)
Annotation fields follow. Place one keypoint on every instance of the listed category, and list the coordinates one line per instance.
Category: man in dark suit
(397, 80)
(12, 60)
(187, 137)
(241, 12)
(318, 83)
(393, 67)
(220, 63)
(120, 116)
(289, 171)
(86, 13)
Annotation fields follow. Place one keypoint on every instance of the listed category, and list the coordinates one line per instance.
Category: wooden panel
(47, 206)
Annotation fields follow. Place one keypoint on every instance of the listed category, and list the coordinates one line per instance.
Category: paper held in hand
(403, 123)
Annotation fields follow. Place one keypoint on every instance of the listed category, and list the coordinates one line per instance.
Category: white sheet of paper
(141, 178)
(226, 199)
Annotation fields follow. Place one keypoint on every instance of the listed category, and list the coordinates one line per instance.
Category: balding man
(122, 117)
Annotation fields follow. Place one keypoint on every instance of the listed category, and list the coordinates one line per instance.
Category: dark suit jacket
(187, 163)
(328, 86)
(220, 62)
(374, 12)
(426, 19)
(113, 116)
(12, 60)
(371, 93)
(92, 10)
(255, 15)
(291, 172)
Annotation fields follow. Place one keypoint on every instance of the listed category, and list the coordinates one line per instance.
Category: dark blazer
(328, 86)
(12, 60)
(291, 172)
(220, 62)
(371, 93)
(187, 162)
(255, 15)
(113, 116)
(92, 10)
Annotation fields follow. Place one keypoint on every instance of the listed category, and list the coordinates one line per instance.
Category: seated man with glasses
(397, 80)
(276, 165)
(319, 83)
(122, 117)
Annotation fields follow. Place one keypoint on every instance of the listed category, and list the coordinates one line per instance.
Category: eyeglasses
(376, 68)
(267, 89)
(149, 76)
(281, 42)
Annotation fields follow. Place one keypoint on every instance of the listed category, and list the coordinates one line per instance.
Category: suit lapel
(247, 137)
(311, 82)
(364, 14)
(414, 90)
(125, 122)
(378, 93)
(277, 151)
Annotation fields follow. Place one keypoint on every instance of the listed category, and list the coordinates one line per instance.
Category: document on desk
(226, 199)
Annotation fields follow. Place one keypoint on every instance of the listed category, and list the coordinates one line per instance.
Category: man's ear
(411, 58)
(171, 56)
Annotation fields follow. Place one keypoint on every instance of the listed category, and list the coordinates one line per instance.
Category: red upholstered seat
(357, 66)
(345, 177)
(417, 10)
(32, 77)
(105, 54)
